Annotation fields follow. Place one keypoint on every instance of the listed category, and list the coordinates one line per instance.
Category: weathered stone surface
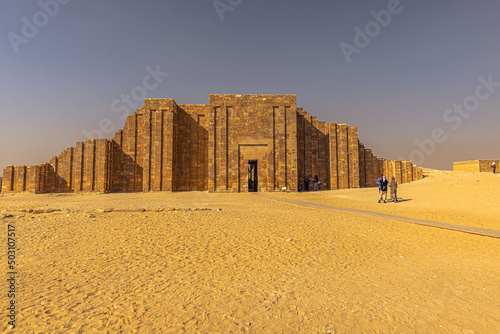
(475, 166)
(169, 147)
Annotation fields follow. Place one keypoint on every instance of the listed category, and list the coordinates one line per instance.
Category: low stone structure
(474, 166)
(236, 143)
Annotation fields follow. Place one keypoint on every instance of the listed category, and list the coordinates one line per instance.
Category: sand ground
(130, 263)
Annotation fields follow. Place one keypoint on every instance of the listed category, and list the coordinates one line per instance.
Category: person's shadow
(404, 199)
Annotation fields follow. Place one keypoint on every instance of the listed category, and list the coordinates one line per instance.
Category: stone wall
(144, 151)
(260, 128)
(343, 157)
(80, 168)
(312, 150)
(371, 168)
(474, 166)
(168, 147)
(192, 148)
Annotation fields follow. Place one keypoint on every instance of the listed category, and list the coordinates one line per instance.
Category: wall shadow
(191, 153)
(125, 174)
(312, 154)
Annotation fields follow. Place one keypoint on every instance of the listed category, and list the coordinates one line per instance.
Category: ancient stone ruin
(474, 166)
(236, 143)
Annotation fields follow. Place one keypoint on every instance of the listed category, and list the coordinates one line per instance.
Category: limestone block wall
(35, 177)
(474, 166)
(353, 156)
(323, 156)
(409, 172)
(86, 167)
(344, 156)
(398, 171)
(313, 150)
(382, 166)
(127, 175)
(371, 168)
(404, 172)
(65, 170)
(362, 164)
(168, 147)
(466, 166)
(485, 165)
(80, 168)
(389, 169)
(380, 162)
(245, 128)
(192, 147)
(19, 178)
(144, 151)
(15, 179)
(7, 184)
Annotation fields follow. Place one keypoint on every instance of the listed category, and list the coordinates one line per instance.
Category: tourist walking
(383, 189)
(494, 166)
(379, 182)
(316, 182)
(394, 189)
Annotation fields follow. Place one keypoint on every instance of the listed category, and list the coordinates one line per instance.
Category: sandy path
(451, 197)
(233, 271)
(454, 227)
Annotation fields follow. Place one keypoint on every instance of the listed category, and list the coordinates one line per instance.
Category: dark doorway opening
(253, 182)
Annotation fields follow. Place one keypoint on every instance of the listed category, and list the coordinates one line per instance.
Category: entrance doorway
(253, 182)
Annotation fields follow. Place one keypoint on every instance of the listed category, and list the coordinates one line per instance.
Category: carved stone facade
(236, 143)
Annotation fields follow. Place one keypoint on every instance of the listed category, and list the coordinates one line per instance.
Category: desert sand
(198, 262)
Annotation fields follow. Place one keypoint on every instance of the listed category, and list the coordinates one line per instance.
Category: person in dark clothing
(316, 182)
(494, 166)
(383, 189)
(306, 182)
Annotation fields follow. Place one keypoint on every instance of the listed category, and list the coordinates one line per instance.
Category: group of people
(307, 181)
(383, 186)
(382, 182)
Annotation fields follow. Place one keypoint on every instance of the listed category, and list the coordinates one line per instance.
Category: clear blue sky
(61, 78)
